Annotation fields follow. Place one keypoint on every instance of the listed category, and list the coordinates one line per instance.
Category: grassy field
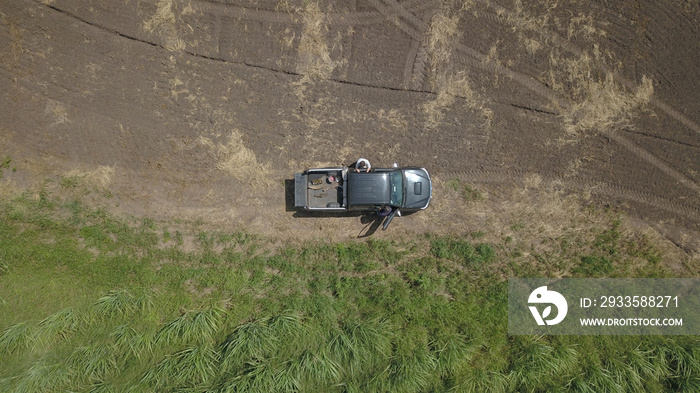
(95, 303)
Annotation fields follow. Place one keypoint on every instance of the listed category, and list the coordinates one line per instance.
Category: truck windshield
(396, 189)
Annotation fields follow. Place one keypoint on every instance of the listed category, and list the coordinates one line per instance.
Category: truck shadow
(372, 223)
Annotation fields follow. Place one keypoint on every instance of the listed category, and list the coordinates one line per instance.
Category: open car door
(388, 219)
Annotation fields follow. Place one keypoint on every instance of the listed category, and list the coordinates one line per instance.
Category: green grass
(468, 192)
(91, 302)
(5, 164)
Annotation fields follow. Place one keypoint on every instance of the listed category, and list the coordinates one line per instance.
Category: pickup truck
(342, 189)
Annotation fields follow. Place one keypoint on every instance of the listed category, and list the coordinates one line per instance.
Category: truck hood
(419, 188)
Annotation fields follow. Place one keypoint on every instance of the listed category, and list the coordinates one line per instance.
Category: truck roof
(369, 188)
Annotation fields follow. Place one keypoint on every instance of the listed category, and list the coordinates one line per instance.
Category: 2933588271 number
(638, 301)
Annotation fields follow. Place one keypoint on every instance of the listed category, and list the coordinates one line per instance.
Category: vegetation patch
(5, 164)
(92, 302)
(467, 191)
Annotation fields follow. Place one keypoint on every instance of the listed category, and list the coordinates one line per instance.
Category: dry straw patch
(86, 180)
(600, 103)
(164, 22)
(526, 25)
(314, 60)
(11, 57)
(8, 189)
(584, 26)
(391, 120)
(449, 209)
(543, 211)
(535, 216)
(442, 39)
(456, 86)
(57, 111)
(239, 161)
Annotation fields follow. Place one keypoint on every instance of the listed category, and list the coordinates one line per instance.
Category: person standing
(362, 165)
(384, 211)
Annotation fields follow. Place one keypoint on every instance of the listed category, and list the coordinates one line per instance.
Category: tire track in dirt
(415, 28)
(217, 58)
(282, 17)
(661, 16)
(291, 17)
(416, 62)
(471, 57)
(475, 59)
(501, 176)
(660, 138)
(652, 159)
(415, 74)
(563, 103)
(565, 44)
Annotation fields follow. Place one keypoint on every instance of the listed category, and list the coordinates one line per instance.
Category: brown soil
(201, 110)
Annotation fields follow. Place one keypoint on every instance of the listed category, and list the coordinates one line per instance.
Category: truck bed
(314, 191)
